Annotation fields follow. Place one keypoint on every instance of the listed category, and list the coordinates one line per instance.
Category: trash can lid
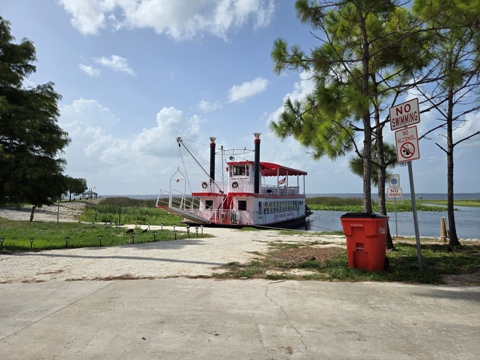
(362, 215)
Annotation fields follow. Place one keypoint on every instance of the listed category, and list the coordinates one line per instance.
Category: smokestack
(256, 184)
(212, 159)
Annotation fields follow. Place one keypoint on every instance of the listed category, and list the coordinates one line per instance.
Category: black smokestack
(256, 184)
(212, 159)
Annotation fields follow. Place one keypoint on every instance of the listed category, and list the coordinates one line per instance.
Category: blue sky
(136, 74)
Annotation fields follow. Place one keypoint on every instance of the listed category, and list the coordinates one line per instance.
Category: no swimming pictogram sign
(406, 141)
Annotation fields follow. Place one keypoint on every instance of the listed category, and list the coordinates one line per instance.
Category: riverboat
(255, 193)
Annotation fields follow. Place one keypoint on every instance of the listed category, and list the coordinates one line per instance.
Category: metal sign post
(406, 142)
(396, 222)
(394, 191)
(415, 218)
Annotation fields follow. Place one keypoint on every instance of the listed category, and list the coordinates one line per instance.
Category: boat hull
(296, 223)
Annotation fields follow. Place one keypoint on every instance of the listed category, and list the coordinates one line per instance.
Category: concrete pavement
(180, 318)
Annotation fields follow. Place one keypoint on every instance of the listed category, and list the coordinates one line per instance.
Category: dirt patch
(306, 253)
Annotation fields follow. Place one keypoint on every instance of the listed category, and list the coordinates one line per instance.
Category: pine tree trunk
(450, 203)
(452, 230)
(367, 135)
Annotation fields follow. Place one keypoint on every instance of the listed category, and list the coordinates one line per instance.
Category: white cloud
(28, 83)
(469, 127)
(178, 19)
(89, 70)
(140, 163)
(302, 88)
(239, 93)
(88, 16)
(116, 63)
(170, 123)
(207, 106)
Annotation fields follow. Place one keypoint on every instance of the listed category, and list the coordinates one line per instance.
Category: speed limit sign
(394, 192)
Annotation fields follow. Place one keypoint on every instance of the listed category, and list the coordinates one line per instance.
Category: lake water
(467, 221)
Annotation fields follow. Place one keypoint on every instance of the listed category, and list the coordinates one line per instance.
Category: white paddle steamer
(254, 194)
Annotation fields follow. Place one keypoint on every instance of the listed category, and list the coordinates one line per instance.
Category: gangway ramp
(187, 215)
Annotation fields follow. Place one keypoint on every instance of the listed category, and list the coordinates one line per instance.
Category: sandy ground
(195, 257)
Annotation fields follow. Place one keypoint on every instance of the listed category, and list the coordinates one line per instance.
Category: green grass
(48, 235)
(437, 261)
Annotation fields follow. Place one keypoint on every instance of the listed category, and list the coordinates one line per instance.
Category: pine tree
(30, 138)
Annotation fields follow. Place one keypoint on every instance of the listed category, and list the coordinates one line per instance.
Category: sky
(136, 74)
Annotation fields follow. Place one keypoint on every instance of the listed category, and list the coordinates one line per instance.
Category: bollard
(443, 230)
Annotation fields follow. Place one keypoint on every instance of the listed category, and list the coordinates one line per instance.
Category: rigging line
(180, 142)
(194, 142)
(196, 155)
(185, 169)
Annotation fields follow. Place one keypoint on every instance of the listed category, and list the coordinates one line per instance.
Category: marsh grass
(472, 203)
(123, 210)
(355, 204)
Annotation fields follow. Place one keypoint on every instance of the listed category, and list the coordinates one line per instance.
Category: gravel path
(193, 257)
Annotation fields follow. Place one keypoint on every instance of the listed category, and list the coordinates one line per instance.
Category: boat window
(240, 170)
(208, 204)
(242, 205)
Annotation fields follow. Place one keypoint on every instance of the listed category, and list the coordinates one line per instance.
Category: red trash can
(366, 234)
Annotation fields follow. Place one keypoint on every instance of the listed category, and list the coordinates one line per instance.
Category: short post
(443, 230)
(154, 236)
(174, 232)
(201, 227)
(133, 237)
(31, 242)
(188, 230)
(196, 229)
(161, 226)
(100, 239)
(1, 242)
(67, 239)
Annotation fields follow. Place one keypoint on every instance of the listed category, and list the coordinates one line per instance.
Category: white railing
(222, 216)
(282, 191)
